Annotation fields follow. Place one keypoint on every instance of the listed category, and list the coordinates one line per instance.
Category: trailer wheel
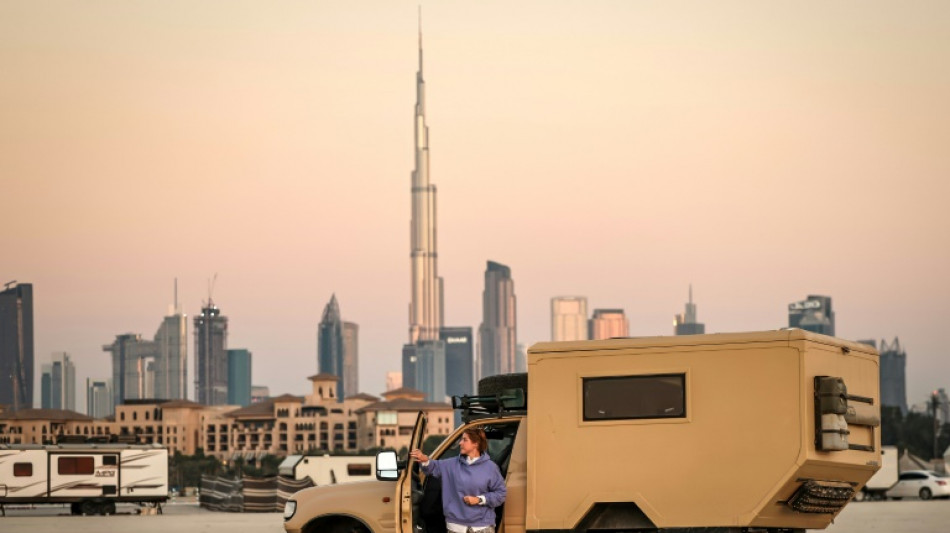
(89, 507)
(107, 508)
(74, 509)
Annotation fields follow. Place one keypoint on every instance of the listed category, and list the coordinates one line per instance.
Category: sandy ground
(184, 515)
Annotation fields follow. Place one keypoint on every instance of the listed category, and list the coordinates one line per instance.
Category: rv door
(409, 487)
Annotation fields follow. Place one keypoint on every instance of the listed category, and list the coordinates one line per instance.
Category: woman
(472, 486)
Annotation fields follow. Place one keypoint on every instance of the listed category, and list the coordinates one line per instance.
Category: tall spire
(425, 307)
(420, 41)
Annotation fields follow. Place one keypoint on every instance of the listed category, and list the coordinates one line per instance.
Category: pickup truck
(725, 433)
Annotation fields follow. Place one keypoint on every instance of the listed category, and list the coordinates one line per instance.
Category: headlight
(289, 509)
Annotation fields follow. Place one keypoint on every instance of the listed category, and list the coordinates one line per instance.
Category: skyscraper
(99, 398)
(459, 352)
(171, 362)
(16, 345)
(350, 384)
(607, 324)
(423, 358)
(59, 383)
(151, 369)
(211, 356)
(425, 308)
(131, 357)
(423, 368)
(893, 375)
(497, 334)
(569, 318)
(812, 314)
(686, 323)
(239, 377)
(330, 342)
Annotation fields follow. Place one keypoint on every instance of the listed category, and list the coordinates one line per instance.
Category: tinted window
(630, 397)
(356, 469)
(108, 460)
(22, 469)
(76, 466)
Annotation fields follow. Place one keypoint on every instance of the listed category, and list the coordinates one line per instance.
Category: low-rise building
(389, 423)
(281, 426)
(39, 426)
(287, 424)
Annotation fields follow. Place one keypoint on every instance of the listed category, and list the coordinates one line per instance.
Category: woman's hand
(472, 500)
(419, 456)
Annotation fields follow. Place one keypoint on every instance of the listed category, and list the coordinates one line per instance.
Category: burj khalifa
(425, 309)
(423, 357)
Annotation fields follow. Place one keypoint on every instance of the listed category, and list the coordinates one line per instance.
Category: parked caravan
(885, 478)
(91, 477)
(329, 469)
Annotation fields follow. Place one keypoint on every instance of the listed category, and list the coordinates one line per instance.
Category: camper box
(92, 477)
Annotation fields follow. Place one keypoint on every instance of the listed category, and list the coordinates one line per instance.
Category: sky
(618, 150)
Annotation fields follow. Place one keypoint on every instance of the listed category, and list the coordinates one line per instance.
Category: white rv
(329, 469)
(91, 477)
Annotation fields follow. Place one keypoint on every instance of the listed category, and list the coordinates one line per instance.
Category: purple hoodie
(460, 479)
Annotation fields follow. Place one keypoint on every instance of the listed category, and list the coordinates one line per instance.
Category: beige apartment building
(36, 426)
(279, 426)
(389, 423)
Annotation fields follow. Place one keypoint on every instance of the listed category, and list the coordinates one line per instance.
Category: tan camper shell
(767, 431)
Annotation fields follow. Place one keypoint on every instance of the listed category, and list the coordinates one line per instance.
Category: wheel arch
(337, 523)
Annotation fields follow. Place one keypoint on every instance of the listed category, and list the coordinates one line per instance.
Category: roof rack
(508, 401)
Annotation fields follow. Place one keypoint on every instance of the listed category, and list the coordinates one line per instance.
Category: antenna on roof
(7, 284)
(211, 289)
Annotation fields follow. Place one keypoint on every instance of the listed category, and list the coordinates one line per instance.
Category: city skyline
(613, 151)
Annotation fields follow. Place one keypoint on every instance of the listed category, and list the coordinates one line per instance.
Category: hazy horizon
(614, 150)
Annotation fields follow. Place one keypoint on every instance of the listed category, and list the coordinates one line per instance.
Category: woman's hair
(477, 435)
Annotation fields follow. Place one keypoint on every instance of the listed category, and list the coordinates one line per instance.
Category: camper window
(22, 469)
(108, 459)
(359, 469)
(635, 397)
(76, 466)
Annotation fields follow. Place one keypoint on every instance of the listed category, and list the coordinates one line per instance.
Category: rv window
(357, 469)
(632, 397)
(22, 469)
(108, 459)
(76, 466)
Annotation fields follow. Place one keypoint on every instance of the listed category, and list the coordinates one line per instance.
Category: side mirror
(387, 466)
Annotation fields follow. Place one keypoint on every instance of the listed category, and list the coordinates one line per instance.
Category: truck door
(409, 487)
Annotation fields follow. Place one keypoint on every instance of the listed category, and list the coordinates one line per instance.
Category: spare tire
(492, 385)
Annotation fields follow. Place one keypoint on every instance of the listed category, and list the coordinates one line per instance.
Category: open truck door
(409, 487)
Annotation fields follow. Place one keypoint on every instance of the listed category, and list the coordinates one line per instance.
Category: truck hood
(371, 502)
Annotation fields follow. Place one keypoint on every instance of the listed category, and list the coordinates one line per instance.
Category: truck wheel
(345, 525)
(925, 494)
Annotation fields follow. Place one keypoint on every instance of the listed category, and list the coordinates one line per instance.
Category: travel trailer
(328, 469)
(90, 477)
(768, 431)
(884, 480)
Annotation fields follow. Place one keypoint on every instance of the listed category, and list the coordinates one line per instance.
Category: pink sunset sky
(619, 150)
